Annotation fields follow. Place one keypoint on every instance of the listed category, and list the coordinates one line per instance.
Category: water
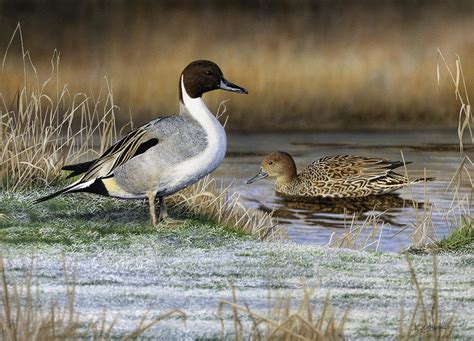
(396, 215)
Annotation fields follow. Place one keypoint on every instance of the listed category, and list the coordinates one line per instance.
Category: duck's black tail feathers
(78, 169)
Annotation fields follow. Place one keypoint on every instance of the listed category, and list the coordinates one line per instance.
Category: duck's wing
(341, 167)
(353, 176)
(136, 142)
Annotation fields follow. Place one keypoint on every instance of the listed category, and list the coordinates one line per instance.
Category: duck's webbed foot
(165, 220)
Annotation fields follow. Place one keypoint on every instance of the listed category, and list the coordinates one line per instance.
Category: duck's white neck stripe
(194, 106)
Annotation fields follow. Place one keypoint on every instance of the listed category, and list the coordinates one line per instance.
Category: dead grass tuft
(360, 235)
(425, 322)
(284, 324)
(207, 199)
(461, 94)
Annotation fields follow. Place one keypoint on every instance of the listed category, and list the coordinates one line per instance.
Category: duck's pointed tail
(50, 196)
(75, 187)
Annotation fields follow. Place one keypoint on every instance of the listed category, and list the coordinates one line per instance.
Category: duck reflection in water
(339, 212)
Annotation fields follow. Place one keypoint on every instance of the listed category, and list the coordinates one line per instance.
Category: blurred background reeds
(308, 65)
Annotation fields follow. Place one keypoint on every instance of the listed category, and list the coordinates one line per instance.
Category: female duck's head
(202, 76)
(276, 164)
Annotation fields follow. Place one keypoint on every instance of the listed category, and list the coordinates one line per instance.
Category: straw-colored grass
(26, 317)
(426, 320)
(285, 323)
(40, 133)
(360, 235)
(207, 199)
(462, 96)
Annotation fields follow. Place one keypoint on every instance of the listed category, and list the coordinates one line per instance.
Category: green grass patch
(460, 239)
(84, 221)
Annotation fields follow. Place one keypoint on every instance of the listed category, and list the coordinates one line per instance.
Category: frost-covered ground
(150, 274)
(127, 267)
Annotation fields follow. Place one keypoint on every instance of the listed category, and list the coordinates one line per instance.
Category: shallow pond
(392, 222)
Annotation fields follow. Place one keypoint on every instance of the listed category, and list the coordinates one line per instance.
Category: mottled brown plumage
(339, 176)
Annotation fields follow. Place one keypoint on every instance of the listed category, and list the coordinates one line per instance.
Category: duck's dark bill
(261, 175)
(226, 85)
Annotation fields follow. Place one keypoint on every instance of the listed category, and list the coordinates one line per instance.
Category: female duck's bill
(259, 176)
(276, 164)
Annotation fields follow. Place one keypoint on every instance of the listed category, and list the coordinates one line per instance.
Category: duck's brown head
(202, 76)
(276, 164)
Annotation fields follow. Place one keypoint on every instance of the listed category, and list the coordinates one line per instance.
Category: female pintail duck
(340, 176)
(166, 154)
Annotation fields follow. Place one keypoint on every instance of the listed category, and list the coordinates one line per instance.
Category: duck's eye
(270, 163)
(208, 72)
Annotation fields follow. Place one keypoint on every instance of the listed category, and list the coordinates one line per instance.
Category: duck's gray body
(180, 139)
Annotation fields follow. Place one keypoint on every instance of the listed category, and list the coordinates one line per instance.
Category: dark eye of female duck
(270, 163)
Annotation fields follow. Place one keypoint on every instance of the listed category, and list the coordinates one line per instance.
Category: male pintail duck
(165, 155)
(340, 176)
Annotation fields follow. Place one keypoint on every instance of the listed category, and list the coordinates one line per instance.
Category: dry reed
(360, 235)
(461, 95)
(41, 133)
(425, 322)
(207, 199)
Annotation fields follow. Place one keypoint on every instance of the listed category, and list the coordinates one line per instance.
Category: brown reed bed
(324, 67)
(40, 133)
